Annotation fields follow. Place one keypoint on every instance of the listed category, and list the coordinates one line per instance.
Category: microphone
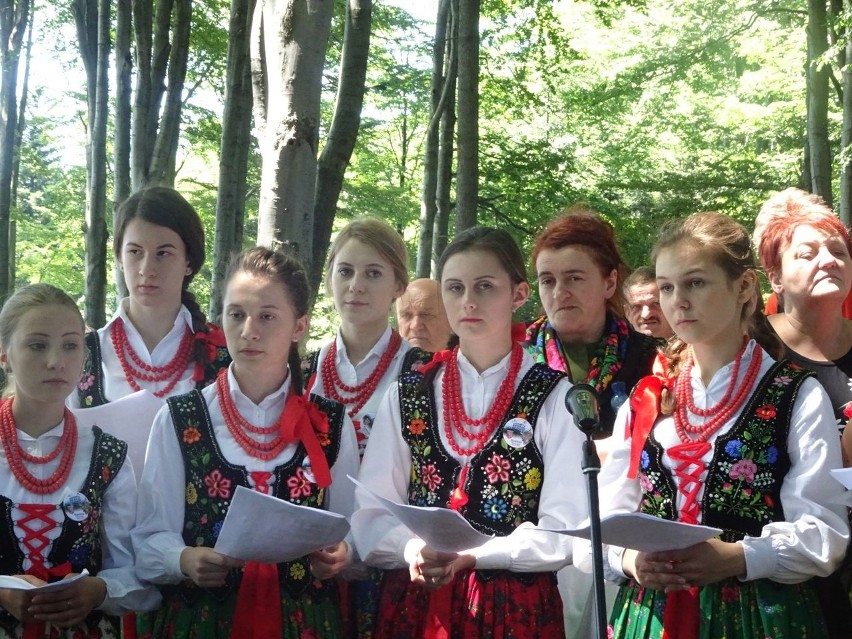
(581, 400)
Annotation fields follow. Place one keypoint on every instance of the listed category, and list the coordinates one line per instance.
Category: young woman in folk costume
(367, 270)
(68, 495)
(253, 428)
(159, 339)
(447, 436)
(731, 439)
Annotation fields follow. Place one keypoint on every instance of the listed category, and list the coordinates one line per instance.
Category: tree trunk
(817, 97)
(121, 185)
(161, 71)
(845, 205)
(343, 132)
(288, 44)
(14, 17)
(93, 20)
(20, 125)
(123, 90)
(467, 186)
(234, 150)
(428, 196)
(440, 237)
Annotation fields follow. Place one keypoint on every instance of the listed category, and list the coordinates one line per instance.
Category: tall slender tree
(467, 184)
(14, 16)
(343, 132)
(234, 148)
(817, 97)
(438, 102)
(162, 52)
(93, 18)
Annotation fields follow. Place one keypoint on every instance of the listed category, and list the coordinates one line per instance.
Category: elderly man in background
(642, 304)
(421, 316)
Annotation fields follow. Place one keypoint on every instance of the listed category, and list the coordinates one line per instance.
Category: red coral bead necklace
(136, 369)
(360, 394)
(16, 455)
(239, 426)
(723, 410)
(455, 417)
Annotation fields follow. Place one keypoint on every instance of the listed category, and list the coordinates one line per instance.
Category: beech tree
(343, 133)
(14, 16)
(92, 19)
(288, 47)
(817, 74)
(234, 149)
(467, 186)
(161, 41)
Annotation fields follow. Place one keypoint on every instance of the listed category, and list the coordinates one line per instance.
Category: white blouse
(813, 538)
(158, 536)
(386, 469)
(118, 514)
(115, 384)
(355, 375)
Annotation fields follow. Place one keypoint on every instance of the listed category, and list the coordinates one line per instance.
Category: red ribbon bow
(644, 409)
(441, 357)
(212, 340)
(302, 420)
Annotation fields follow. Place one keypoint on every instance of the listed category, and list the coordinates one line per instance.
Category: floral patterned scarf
(543, 344)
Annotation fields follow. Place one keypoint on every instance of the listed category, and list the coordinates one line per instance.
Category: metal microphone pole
(582, 402)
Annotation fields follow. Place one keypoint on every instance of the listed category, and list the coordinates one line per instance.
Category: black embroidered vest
(90, 389)
(79, 542)
(742, 492)
(212, 480)
(504, 481)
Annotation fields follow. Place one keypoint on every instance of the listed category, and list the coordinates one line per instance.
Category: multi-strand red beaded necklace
(15, 455)
(722, 412)
(455, 417)
(240, 428)
(135, 369)
(360, 394)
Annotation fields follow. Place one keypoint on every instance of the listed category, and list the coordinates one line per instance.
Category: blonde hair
(27, 298)
(377, 235)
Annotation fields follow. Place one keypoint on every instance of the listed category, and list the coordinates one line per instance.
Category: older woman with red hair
(584, 334)
(805, 250)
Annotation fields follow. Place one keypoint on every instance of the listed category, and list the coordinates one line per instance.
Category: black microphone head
(581, 400)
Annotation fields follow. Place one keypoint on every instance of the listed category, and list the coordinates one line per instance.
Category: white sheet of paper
(843, 475)
(646, 533)
(442, 529)
(264, 528)
(16, 583)
(129, 418)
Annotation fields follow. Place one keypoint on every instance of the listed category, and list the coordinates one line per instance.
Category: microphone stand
(582, 402)
(591, 467)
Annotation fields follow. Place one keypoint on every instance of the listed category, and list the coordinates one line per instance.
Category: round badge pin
(517, 432)
(307, 470)
(76, 507)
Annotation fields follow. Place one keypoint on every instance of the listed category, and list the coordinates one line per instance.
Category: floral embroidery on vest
(504, 481)
(79, 542)
(212, 480)
(743, 484)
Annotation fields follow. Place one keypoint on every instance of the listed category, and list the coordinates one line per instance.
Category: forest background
(645, 110)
